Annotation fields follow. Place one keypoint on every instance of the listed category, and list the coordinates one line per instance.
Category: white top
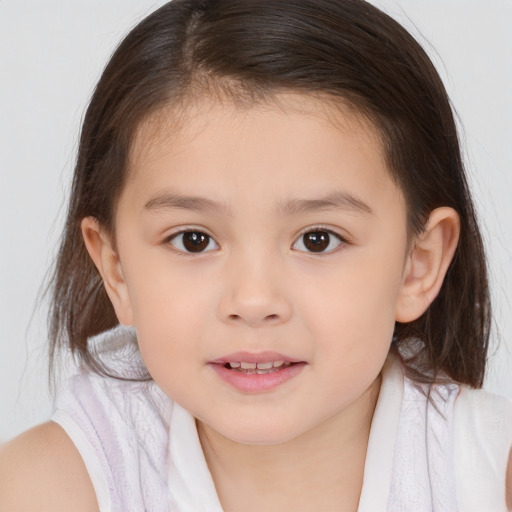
(143, 453)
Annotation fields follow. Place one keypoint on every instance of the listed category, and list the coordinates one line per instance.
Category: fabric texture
(142, 451)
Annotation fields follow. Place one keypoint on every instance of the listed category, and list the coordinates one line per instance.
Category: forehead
(299, 144)
(185, 119)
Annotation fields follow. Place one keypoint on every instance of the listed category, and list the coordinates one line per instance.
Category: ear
(427, 264)
(102, 252)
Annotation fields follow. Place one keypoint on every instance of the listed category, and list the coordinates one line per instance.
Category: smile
(258, 368)
(256, 373)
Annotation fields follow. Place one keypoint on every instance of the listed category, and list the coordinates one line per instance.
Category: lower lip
(254, 382)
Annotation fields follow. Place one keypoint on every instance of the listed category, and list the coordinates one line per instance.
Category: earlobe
(102, 252)
(427, 264)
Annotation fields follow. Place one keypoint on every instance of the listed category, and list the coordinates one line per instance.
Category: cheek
(163, 290)
(172, 309)
(172, 314)
(355, 309)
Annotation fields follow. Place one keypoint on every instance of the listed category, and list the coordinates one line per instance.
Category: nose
(255, 293)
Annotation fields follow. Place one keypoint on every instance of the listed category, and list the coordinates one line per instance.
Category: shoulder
(509, 481)
(41, 469)
(482, 442)
(483, 423)
(483, 411)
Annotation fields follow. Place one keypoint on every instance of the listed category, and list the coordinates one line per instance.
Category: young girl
(273, 277)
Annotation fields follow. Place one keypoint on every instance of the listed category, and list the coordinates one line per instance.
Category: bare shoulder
(509, 481)
(42, 470)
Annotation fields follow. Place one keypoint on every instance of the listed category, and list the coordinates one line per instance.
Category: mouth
(255, 373)
(258, 368)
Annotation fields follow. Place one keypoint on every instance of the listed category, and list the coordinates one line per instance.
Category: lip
(254, 357)
(255, 382)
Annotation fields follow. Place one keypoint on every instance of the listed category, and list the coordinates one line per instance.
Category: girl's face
(271, 235)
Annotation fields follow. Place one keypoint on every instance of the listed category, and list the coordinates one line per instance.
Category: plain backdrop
(51, 55)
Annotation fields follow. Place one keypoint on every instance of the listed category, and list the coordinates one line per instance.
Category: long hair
(345, 50)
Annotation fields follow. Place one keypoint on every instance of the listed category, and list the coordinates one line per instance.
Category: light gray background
(52, 53)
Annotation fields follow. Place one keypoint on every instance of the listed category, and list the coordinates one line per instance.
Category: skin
(41, 470)
(257, 287)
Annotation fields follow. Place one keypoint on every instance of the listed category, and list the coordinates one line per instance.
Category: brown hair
(346, 50)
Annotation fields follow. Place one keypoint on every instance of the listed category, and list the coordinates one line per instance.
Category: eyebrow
(338, 200)
(186, 202)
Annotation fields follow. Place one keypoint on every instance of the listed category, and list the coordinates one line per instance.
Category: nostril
(268, 318)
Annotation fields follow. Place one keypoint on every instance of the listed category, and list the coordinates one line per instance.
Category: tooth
(265, 366)
(278, 363)
(234, 365)
(248, 366)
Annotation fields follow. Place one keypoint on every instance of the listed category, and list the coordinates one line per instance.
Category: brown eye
(193, 241)
(318, 242)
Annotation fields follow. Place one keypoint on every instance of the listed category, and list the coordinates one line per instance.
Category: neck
(321, 469)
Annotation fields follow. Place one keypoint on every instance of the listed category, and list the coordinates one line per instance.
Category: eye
(193, 242)
(318, 241)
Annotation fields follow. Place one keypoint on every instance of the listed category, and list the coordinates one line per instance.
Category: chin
(259, 434)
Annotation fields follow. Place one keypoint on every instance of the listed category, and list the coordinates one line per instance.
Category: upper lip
(254, 357)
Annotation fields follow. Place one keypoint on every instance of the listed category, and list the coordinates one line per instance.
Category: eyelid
(189, 229)
(310, 229)
(326, 229)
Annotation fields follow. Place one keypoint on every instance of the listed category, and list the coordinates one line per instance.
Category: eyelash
(322, 229)
(183, 251)
(210, 239)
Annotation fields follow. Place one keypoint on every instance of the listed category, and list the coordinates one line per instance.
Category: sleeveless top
(142, 451)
